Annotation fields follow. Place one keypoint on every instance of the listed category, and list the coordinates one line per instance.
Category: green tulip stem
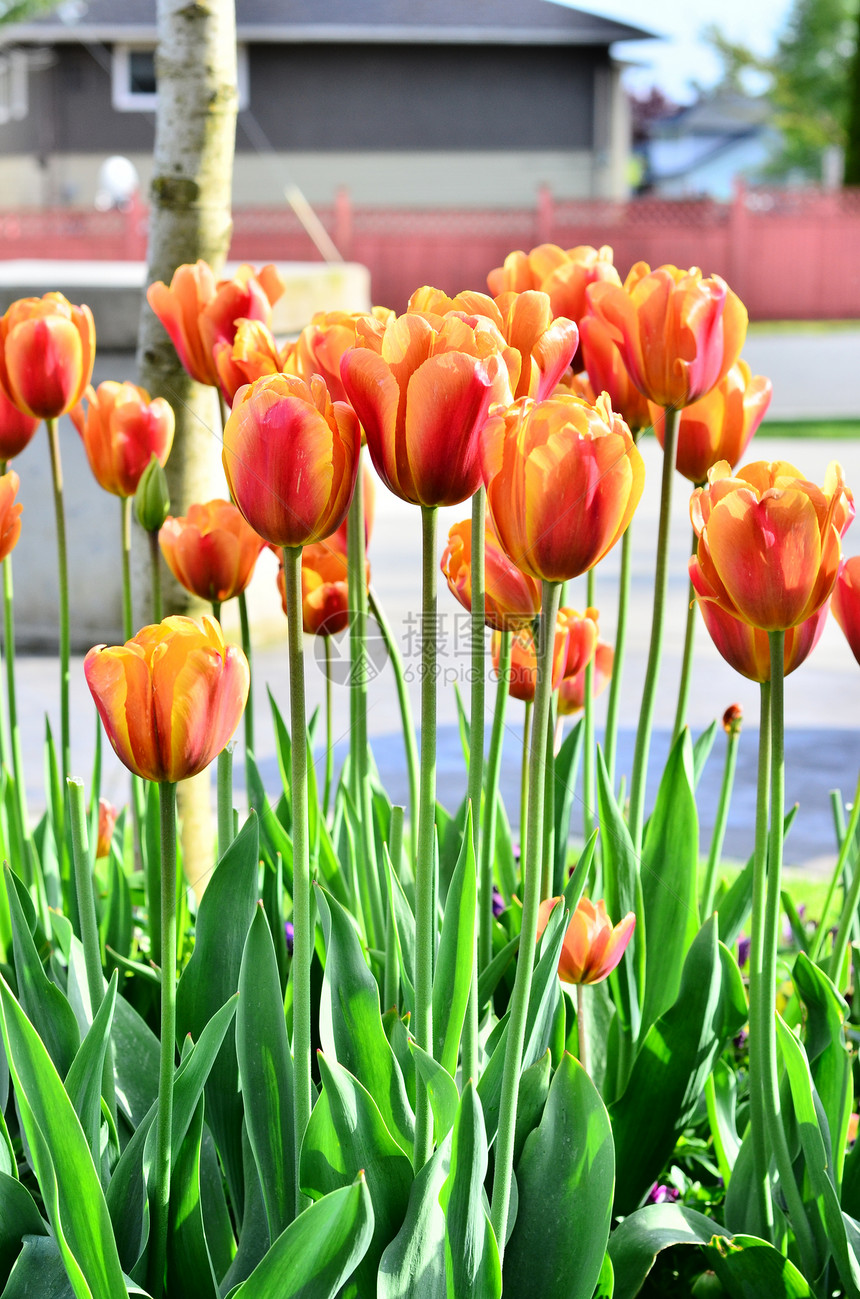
(524, 770)
(125, 504)
(718, 837)
(639, 775)
(14, 728)
(588, 794)
(470, 1060)
(407, 722)
(491, 800)
(758, 994)
(391, 971)
(245, 629)
(302, 932)
(425, 872)
(155, 575)
(852, 896)
(329, 728)
(580, 1026)
(63, 582)
(610, 740)
(167, 1056)
(225, 799)
(687, 659)
(532, 847)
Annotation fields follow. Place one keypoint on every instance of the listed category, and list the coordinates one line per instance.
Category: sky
(674, 62)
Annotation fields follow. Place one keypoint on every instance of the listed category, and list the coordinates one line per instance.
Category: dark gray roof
(525, 22)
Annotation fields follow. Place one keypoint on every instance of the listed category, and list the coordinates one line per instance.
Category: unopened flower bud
(152, 499)
(733, 719)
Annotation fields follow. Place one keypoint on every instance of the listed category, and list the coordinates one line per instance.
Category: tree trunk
(852, 126)
(189, 218)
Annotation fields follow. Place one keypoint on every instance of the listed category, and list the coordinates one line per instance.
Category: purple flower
(743, 951)
(288, 934)
(498, 903)
(661, 1194)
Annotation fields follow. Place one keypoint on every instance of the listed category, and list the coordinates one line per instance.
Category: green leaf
(503, 864)
(441, 1090)
(827, 1052)
(734, 906)
(266, 1072)
(254, 1235)
(566, 769)
(117, 926)
(84, 1080)
(533, 1091)
(404, 930)
(19, 1218)
(702, 751)
(492, 974)
(318, 1252)
(565, 1180)
(64, 1169)
(669, 1073)
(212, 977)
(135, 1062)
(39, 1271)
(452, 976)
(670, 861)
(749, 1268)
(721, 1114)
(471, 1254)
(346, 1134)
(413, 1265)
(189, 1266)
(350, 1022)
(622, 889)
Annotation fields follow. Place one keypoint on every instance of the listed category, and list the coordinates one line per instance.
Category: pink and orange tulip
(321, 345)
(47, 349)
(768, 546)
(581, 638)
(325, 589)
(846, 602)
(677, 333)
(211, 551)
(291, 459)
(16, 429)
(122, 428)
(107, 820)
(10, 513)
(563, 480)
(511, 598)
(720, 425)
(522, 681)
(252, 354)
(592, 946)
(564, 275)
(571, 692)
(422, 399)
(170, 698)
(606, 371)
(200, 312)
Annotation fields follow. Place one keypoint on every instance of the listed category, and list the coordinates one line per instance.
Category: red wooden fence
(788, 254)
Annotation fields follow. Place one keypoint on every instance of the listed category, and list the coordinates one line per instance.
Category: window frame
(126, 100)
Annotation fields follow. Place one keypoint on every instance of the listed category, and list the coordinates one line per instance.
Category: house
(407, 103)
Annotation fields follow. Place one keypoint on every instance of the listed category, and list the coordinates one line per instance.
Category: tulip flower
(107, 820)
(321, 345)
(10, 513)
(523, 670)
(563, 275)
(121, 428)
(511, 599)
(720, 425)
(170, 698)
(846, 602)
(571, 691)
(252, 354)
(212, 551)
(291, 459)
(16, 429)
(606, 372)
(592, 946)
(768, 547)
(47, 349)
(563, 480)
(422, 400)
(325, 593)
(747, 648)
(678, 333)
(199, 313)
(581, 638)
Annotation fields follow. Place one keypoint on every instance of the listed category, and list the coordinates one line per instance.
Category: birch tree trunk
(189, 218)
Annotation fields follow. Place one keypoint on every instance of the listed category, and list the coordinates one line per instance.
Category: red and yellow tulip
(571, 692)
(592, 946)
(211, 551)
(122, 428)
(16, 429)
(252, 354)
(522, 680)
(170, 698)
(846, 602)
(10, 513)
(564, 275)
(47, 349)
(720, 425)
(511, 598)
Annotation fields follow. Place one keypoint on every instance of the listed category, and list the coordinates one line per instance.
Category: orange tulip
(571, 692)
(846, 602)
(321, 345)
(199, 312)
(523, 672)
(212, 551)
(678, 333)
(252, 354)
(563, 480)
(107, 820)
(170, 698)
(563, 276)
(581, 638)
(10, 513)
(536, 348)
(607, 372)
(592, 947)
(511, 598)
(291, 459)
(768, 548)
(121, 429)
(325, 589)
(719, 425)
(16, 429)
(422, 400)
(47, 349)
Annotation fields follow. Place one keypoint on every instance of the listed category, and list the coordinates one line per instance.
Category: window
(13, 86)
(133, 78)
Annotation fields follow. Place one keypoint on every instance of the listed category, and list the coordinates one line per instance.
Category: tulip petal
(447, 401)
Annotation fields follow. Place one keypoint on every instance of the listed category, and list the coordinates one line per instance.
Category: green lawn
(809, 428)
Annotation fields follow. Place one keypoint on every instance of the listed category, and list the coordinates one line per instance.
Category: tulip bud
(152, 499)
(733, 719)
